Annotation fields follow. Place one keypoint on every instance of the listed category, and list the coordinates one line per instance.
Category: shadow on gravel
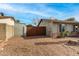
(72, 43)
(46, 43)
(35, 37)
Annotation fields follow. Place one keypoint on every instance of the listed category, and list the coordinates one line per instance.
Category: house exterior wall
(9, 31)
(55, 30)
(2, 32)
(44, 23)
(20, 29)
(48, 27)
(51, 28)
(69, 27)
(7, 21)
(7, 28)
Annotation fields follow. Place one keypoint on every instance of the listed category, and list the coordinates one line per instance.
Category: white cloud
(51, 11)
(21, 10)
(44, 10)
(7, 7)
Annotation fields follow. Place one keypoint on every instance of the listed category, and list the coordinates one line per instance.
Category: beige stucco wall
(20, 29)
(2, 32)
(51, 29)
(48, 27)
(6, 32)
(7, 21)
(9, 31)
(44, 23)
(8, 28)
(55, 30)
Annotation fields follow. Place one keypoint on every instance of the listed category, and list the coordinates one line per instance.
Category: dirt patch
(22, 50)
(41, 46)
(46, 43)
(72, 43)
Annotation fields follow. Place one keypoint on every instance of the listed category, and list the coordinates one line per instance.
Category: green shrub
(65, 33)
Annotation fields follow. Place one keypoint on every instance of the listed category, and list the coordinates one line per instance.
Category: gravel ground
(38, 46)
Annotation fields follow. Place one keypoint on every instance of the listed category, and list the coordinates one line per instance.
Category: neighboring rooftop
(58, 21)
(4, 17)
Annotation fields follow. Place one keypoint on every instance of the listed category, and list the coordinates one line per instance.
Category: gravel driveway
(38, 46)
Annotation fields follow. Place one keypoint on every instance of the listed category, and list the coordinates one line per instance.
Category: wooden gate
(36, 31)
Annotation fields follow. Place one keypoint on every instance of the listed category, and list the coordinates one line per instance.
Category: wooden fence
(36, 31)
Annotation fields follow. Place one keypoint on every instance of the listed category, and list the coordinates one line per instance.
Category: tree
(29, 25)
(2, 14)
(70, 19)
(18, 21)
(35, 21)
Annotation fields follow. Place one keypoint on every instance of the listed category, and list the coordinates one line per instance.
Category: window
(62, 27)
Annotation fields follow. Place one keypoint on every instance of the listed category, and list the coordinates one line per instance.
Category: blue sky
(30, 12)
